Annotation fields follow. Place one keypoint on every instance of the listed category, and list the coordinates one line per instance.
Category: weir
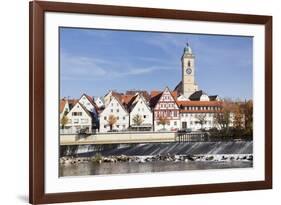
(171, 148)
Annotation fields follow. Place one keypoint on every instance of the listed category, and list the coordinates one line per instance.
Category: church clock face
(188, 71)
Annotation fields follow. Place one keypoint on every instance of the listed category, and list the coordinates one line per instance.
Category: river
(70, 166)
(90, 168)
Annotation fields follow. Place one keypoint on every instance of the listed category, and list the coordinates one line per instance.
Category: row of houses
(138, 110)
(186, 107)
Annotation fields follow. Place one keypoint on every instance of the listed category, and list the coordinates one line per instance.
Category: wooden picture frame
(38, 9)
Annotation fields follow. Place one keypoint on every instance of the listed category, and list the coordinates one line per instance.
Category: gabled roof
(154, 100)
(175, 94)
(213, 97)
(125, 99)
(71, 103)
(62, 104)
(91, 100)
(143, 92)
(114, 97)
(131, 104)
(87, 111)
(117, 95)
(197, 95)
(179, 87)
(153, 93)
(134, 102)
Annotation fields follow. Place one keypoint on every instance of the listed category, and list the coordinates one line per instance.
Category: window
(104, 126)
(117, 126)
(76, 121)
(124, 118)
(111, 110)
(84, 120)
(104, 118)
(117, 110)
(175, 123)
(144, 116)
(77, 114)
(117, 118)
(175, 113)
(188, 63)
(124, 126)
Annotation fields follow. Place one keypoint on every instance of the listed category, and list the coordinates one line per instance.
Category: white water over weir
(172, 148)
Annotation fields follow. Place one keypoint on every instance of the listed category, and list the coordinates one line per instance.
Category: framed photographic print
(138, 102)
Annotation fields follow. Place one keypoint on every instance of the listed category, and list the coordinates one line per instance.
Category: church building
(197, 108)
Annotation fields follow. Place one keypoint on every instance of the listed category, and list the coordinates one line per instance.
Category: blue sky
(95, 61)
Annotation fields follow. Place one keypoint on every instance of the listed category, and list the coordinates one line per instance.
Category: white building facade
(89, 104)
(166, 107)
(116, 109)
(99, 102)
(196, 115)
(140, 107)
(79, 118)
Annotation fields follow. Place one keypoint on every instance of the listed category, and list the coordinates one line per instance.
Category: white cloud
(86, 68)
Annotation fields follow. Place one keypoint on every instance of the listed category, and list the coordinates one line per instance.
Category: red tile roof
(125, 99)
(153, 93)
(199, 103)
(72, 102)
(134, 92)
(62, 104)
(153, 100)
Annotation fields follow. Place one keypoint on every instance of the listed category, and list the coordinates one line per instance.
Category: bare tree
(163, 120)
(238, 120)
(111, 121)
(64, 121)
(137, 119)
(222, 116)
(201, 119)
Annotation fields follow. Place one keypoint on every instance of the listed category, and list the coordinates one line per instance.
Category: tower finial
(187, 48)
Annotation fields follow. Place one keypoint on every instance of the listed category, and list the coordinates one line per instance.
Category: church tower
(189, 85)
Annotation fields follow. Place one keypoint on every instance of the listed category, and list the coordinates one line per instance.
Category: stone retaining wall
(113, 138)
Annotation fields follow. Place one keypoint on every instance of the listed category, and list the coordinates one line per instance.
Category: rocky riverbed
(168, 158)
